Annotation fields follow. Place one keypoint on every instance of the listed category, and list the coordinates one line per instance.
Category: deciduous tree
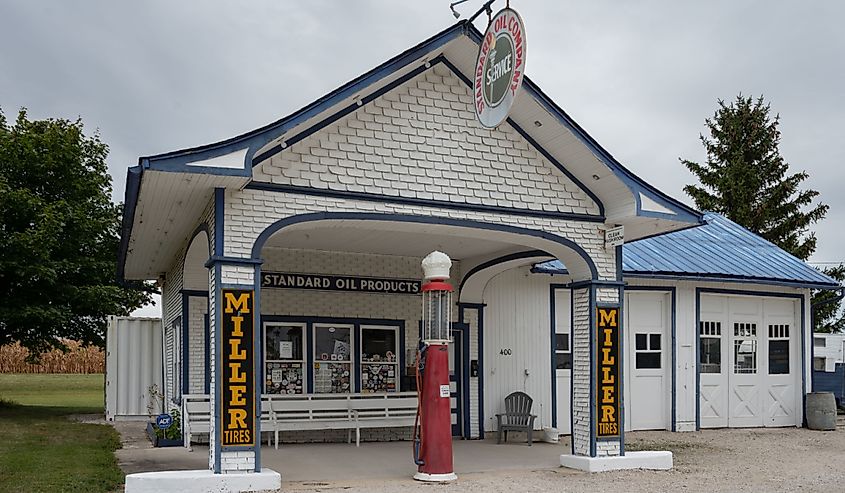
(59, 235)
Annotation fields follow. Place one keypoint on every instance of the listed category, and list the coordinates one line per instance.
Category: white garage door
(647, 360)
(749, 356)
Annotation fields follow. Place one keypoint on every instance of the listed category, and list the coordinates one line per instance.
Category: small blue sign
(163, 421)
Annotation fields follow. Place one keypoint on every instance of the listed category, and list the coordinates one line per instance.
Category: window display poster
(285, 349)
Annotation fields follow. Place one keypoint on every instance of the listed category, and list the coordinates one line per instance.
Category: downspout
(813, 306)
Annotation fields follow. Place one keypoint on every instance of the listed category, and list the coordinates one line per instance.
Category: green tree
(828, 316)
(59, 235)
(746, 179)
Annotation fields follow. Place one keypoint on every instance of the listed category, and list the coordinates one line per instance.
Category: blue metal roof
(719, 250)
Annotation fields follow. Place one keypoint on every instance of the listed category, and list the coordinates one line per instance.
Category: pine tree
(745, 177)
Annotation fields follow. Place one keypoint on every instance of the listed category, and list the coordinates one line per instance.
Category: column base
(202, 480)
(435, 478)
(661, 460)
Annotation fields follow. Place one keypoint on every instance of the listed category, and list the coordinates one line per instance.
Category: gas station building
(323, 217)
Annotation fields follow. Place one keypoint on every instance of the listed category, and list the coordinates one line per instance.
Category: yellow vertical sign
(236, 347)
(608, 374)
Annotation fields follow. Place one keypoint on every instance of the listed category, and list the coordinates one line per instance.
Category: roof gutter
(130, 203)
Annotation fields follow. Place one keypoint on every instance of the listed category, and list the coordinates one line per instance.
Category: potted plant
(163, 431)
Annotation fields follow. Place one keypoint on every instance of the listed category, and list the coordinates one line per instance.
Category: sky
(640, 76)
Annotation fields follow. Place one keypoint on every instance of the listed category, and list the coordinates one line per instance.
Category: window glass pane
(283, 378)
(563, 361)
(778, 357)
(654, 339)
(648, 360)
(818, 363)
(819, 341)
(332, 378)
(331, 343)
(561, 342)
(642, 342)
(378, 345)
(711, 355)
(283, 342)
(745, 356)
(378, 377)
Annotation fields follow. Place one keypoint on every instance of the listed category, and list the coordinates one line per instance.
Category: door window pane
(563, 361)
(778, 357)
(642, 342)
(745, 356)
(711, 355)
(654, 339)
(561, 342)
(283, 354)
(648, 360)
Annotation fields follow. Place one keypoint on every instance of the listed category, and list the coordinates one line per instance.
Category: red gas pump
(433, 448)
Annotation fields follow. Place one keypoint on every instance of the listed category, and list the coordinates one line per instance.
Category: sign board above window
(359, 284)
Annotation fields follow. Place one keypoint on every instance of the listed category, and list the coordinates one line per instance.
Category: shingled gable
(421, 140)
(561, 170)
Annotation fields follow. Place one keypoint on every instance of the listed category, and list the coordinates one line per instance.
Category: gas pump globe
(437, 299)
(433, 449)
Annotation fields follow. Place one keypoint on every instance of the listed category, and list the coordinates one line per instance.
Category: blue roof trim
(719, 250)
(130, 203)
(257, 138)
(683, 212)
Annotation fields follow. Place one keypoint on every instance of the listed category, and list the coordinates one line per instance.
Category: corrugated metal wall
(133, 363)
(517, 351)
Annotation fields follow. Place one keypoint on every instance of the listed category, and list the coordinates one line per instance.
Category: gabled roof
(719, 250)
(157, 183)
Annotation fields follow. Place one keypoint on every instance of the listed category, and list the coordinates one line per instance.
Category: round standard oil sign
(499, 68)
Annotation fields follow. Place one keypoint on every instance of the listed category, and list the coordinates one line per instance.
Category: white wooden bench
(196, 416)
(341, 412)
(312, 412)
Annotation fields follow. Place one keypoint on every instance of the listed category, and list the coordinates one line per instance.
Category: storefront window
(332, 359)
(710, 355)
(379, 360)
(284, 358)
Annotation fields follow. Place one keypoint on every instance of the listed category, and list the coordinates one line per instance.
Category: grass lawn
(40, 449)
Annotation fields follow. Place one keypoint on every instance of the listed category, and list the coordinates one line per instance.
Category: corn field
(78, 359)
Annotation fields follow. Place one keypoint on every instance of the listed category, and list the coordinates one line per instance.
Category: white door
(713, 358)
(563, 358)
(744, 399)
(647, 360)
(782, 391)
(748, 354)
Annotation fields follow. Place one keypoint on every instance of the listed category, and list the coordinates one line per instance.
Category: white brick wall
(581, 372)
(250, 212)
(198, 308)
(419, 141)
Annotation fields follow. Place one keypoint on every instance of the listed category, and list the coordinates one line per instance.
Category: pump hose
(416, 444)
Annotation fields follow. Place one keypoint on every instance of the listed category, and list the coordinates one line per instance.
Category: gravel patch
(711, 461)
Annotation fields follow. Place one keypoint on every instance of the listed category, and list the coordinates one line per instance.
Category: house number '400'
(505, 352)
